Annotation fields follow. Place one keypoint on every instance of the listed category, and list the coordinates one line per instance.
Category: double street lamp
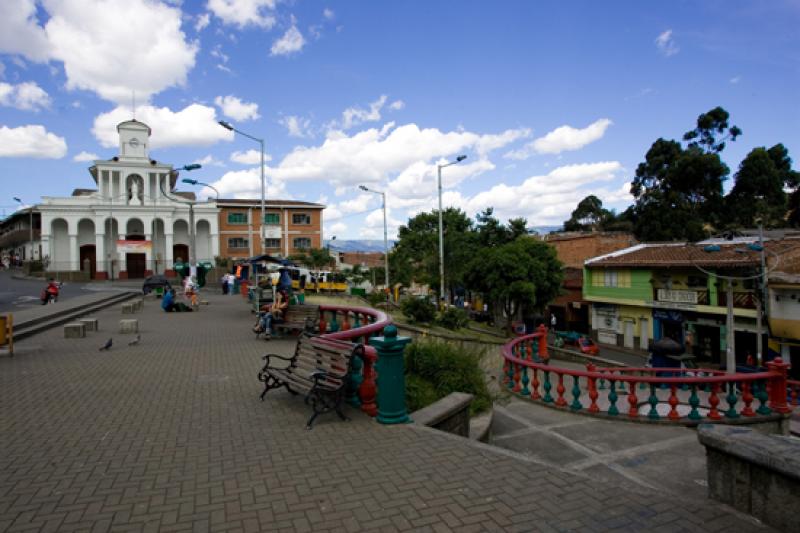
(441, 234)
(30, 211)
(229, 126)
(192, 244)
(385, 236)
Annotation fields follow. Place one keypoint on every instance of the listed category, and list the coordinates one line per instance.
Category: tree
(712, 131)
(417, 249)
(759, 189)
(355, 275)
(588, 215)
(517, 227)
(491, 231)
(520, 276)
(678, 191)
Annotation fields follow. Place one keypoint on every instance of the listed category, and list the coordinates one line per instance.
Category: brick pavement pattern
(169, 435)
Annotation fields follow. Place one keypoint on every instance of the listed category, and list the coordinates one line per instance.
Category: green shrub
(419, 392)
(418, 309)
(444, 368)
(376, 297)
(453, 318)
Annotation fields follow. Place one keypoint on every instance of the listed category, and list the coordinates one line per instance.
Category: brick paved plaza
(169, 435)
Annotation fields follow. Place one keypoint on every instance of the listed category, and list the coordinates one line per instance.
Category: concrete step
(62, 315)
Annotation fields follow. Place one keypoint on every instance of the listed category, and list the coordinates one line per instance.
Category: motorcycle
(50, 293)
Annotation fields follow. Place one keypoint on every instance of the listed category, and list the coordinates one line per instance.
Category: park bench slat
(328, 360)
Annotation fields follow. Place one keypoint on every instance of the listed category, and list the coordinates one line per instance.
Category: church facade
(132, 225)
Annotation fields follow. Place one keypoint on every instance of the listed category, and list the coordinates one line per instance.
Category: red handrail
(376, 321)
(739, 388)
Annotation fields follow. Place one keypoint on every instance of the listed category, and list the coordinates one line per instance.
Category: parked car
(572, 338)
(587, 346)
(155, 281)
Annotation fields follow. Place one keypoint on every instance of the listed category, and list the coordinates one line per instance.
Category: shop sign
(134, 247)
(680, 297)
(672, 316)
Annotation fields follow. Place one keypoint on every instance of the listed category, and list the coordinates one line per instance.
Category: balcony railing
(686, 396)
(357, 325)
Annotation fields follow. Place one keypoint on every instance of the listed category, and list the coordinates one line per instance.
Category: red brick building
(290, 227)
(365, 259)
(571, 311)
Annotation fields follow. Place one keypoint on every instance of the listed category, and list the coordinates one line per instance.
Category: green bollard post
(391, 376)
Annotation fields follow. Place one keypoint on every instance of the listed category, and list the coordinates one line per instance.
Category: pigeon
(107, 346)
(135, 341)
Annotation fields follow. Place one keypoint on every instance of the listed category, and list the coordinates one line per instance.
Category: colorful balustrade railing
(672, 394)
(357, 325)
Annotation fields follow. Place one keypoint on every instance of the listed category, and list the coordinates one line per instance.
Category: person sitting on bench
(275, 314)
(169, 304)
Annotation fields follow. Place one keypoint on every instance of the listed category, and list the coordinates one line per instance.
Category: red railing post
(368, 391)
(747, 398)
(535, 392)
(713, 402)
(777, 392)
(560, 401)
(592, 381)
(633, 401)
(542, 330)
(673, 403)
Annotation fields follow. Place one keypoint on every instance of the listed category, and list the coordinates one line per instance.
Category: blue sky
(550, 101)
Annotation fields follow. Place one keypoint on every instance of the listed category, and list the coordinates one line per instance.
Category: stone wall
(450, 414)
(755, 473)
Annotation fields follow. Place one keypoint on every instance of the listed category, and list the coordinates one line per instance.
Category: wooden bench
(318, 369)
(299, 317)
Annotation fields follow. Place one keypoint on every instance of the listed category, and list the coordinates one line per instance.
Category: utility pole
(730, 358)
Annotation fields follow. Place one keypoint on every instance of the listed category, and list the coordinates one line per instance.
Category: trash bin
(244, 287)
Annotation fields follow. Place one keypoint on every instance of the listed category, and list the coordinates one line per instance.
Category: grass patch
(434, 369)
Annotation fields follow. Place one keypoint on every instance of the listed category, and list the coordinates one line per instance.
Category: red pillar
(777, 392)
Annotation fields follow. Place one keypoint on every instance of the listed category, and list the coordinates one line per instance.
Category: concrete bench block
(128, 325)
(139, 304)
(74, 330)
(203, 302)
(92, 324)
(128, 308)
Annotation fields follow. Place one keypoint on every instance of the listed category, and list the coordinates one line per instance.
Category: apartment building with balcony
(649, 291)
(290, 227)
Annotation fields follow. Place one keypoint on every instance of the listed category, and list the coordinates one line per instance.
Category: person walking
(553, 321)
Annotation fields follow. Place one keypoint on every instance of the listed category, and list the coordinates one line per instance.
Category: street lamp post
(192, 244)
(441, 233)
(385, 233)
(195, 182)
(30, 211)
(229, 126)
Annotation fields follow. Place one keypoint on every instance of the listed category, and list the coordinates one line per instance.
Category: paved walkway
(169, 435)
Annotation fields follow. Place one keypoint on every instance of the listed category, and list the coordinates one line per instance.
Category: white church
(132, 225)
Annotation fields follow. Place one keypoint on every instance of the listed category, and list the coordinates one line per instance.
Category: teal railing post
(391, 376)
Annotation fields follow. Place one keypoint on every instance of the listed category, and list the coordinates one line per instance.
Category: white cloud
(735, 80)
(119, 46)
(397, 105)
(562, 139)
(353, 116)
(194, 125)
(244, 13)
(202, 22)
(377, 155)
(85, 156)
(547, 199)
(296, 126)
(328, 14)
(20, 32)
(666, 44)
(292, 41)
(209, 161)
(31, 141)
(337, 227)
(25, 96)
(250, 157)
(420, 179)
(234, 108)
(247, 184)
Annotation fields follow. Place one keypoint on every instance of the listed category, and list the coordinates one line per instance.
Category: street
(16, 294)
